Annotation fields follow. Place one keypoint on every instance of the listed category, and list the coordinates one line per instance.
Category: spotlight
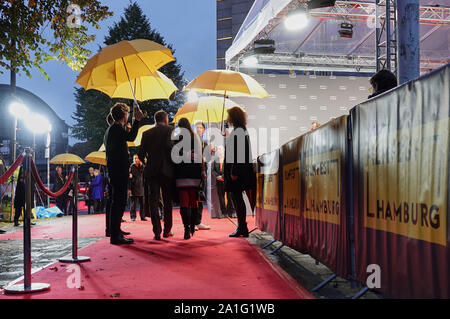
(296, 20)
(314, 4)
(345, 30)
(264, 46)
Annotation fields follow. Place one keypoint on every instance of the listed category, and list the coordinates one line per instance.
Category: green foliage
(93, 106)
(36, 31)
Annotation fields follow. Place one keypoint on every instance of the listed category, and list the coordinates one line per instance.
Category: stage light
(250, 61)
(37, 123)
(18, 110)
(296, 20)
(346, 30)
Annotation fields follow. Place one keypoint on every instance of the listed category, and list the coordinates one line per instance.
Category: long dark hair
(184, 123)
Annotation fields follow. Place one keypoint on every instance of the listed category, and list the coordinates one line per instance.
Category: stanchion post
(27, 286)
(75, 258)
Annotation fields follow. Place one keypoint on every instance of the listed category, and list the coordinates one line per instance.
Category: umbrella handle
(223, 111)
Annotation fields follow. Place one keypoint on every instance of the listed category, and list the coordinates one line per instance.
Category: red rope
(11, 170)
(45, 189)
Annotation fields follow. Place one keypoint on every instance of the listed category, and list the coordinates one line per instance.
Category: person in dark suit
(137, 188)
(155, 152)
(60, 180)
(218, 175)
(19, 199)
(239, 173)
(115, 141)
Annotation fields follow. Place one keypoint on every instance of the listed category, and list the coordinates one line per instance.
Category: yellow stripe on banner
(405, 182)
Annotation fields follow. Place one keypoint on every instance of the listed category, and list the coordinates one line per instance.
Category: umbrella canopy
(67, 159)
(96, 158)
(225, 82)
(205, 109)
(149, 87)
(137, 140)
(122, 62)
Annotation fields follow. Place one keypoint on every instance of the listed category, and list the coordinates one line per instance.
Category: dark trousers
(89, 203)
(220, 186)
(134, 201)
(17, 212)
(97, 205)
(241, 210)
(61, 202)
(108, 208)
(164, 184)
(119, 202)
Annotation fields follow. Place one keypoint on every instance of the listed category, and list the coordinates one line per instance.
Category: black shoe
(2, 231)
(237, 233)
(123, 221)
(122, 241)
(15, 225)
(107, 234)
(187, 233)
(169, 234)
(157, 237)
(144, 219)
(32, 224)
(124, 232)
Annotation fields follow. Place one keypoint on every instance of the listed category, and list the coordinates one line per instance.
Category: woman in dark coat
(239, 172)
(19, 198)
(189, 170)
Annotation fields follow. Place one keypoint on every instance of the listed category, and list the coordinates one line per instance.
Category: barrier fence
(30, 169)
(368, 193)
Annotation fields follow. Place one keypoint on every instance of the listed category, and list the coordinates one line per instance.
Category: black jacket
(238, 161)
(20, 192)
(115, 141)
(189, 169)
(156, 147)
(137, 180)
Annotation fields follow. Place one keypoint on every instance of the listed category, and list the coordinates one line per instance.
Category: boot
(193, 214)
(186, 217)
(241, 230)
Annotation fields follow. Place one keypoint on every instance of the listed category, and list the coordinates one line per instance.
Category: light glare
(296, 21)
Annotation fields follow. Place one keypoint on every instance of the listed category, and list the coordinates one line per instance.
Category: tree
(93, 106)
(23, 41)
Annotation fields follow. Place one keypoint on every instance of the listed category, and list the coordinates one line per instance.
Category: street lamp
(18, 110)
(38, 124)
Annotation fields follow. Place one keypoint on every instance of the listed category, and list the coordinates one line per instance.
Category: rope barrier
(11, 170)
(45, 189)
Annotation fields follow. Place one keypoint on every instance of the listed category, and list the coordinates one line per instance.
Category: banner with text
(268, 216)
(401, 177)
(323, 188)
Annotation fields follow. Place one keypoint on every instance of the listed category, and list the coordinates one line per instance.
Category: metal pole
(14, 147)
(408, 40)
(27, 286)
(47, 155)
(75, 258)
(387, 21)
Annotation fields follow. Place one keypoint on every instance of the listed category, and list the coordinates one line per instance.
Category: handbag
(201, 196)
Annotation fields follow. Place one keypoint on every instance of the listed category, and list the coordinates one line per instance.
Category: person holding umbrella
(239, 173)
(115, 141)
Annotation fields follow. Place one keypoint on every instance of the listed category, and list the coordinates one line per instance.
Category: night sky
(190, 26)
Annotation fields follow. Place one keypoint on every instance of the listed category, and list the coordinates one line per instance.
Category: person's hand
(128, 127)
(234, 178)
(138, 114)
(131, 175)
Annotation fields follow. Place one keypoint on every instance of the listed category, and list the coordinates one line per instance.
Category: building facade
(230, 15)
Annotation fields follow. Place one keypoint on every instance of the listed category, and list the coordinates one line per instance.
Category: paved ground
(303, 268)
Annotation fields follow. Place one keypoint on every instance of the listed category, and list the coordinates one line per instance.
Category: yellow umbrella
(96, 158)
(226, 82)
(137, 140)
(66, 159)
(123, 61)
(149, 87)
(205, 109)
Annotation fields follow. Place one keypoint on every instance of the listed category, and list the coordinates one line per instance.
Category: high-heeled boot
(193, 214)
(186, 218)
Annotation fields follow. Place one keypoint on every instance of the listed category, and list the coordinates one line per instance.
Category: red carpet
(209, 266)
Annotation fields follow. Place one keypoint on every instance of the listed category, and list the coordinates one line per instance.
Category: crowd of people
(170, 166)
